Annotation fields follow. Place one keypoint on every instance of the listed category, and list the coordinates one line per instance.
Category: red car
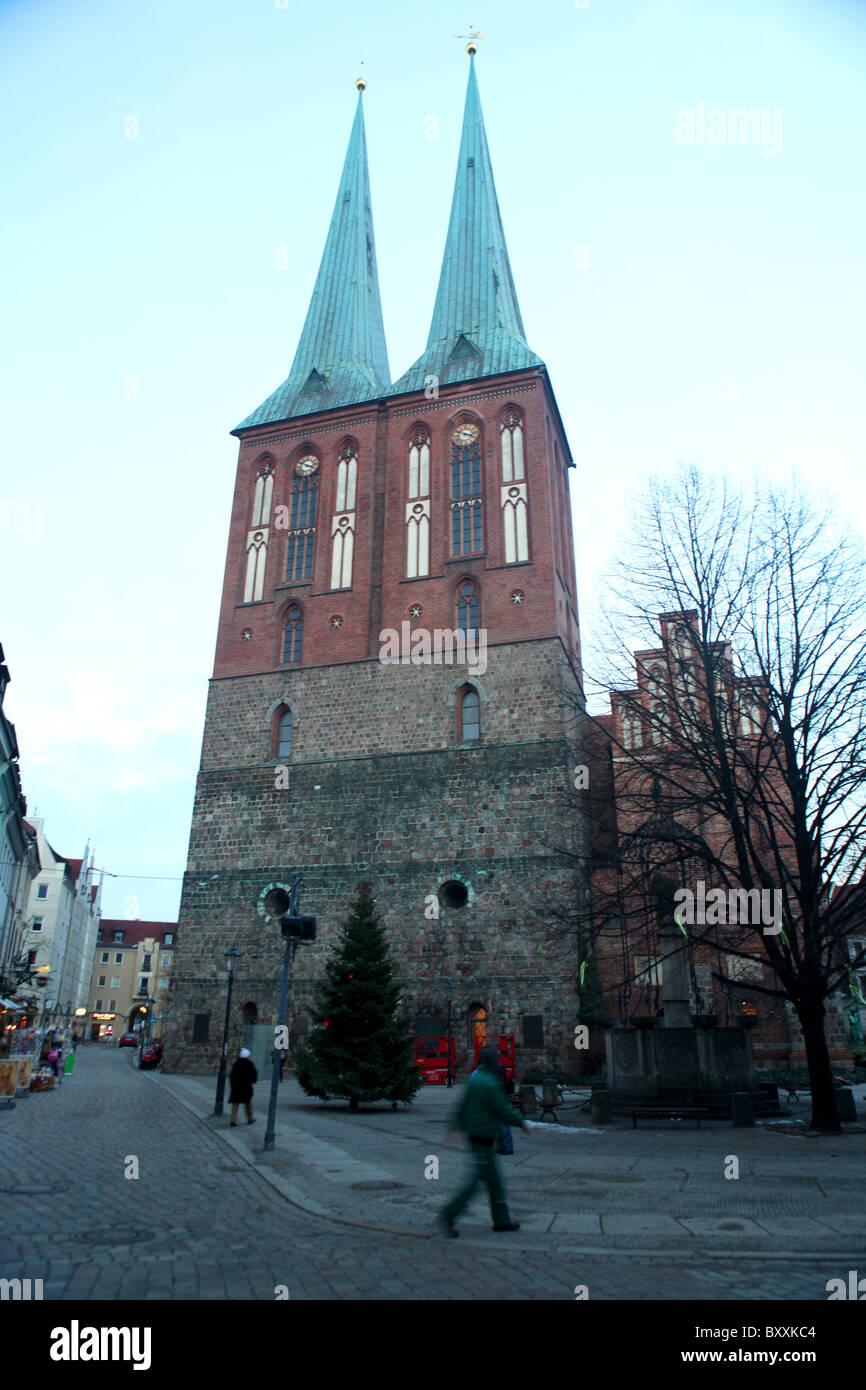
(128, 1040)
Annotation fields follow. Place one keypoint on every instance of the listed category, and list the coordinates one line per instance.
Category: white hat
(243, 1052)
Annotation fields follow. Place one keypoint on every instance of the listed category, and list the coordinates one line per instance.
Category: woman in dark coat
(243, 1078)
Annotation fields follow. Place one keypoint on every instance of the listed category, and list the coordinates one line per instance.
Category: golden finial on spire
(471, 47)
(361, 83)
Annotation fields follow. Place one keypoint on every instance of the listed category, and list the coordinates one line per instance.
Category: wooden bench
(668, 1112)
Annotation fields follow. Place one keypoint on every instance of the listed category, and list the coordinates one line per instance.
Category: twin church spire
(477, 330)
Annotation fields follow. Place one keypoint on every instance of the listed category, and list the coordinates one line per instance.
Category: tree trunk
(824, 1113)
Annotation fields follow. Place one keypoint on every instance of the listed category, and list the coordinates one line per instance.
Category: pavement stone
(213, 1217)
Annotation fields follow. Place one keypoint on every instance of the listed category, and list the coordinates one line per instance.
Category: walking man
(242, 1080)
(483, 1108)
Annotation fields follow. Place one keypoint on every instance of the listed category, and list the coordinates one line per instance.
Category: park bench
(527, 1100)
(669, 1112)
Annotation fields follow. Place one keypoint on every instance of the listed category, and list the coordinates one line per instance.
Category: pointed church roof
(477, 330)
(341, 358)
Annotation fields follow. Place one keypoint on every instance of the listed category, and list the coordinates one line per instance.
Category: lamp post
(231, 956)
(294, 929)
(450, 1079)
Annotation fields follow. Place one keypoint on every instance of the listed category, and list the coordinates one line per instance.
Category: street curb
(295, 1198)
(286, 1189)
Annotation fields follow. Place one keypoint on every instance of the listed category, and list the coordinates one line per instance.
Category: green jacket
(484, 1107)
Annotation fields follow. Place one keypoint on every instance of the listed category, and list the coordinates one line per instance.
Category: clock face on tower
(465, 435)
(305, 466)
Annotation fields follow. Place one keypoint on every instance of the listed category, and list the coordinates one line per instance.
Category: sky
(168, 175)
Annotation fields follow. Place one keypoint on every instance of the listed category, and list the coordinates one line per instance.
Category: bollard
(742, 1110)
(600, 1111)
(845, 1108)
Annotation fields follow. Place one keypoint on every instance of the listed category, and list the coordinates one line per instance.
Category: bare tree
(741, 751)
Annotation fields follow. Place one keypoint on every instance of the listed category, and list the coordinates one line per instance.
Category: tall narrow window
(343, 524)
(302, 523)
(513, 490)
(294, 635)
(284, 734)
(466, 525)
(468, 715)
(467, 607)
(257, 557)
(262, 494)
(418, 507)
(257, 537)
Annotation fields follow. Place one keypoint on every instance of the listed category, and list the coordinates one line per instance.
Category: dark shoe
(508, 1226)
(250, 1122)
(446, 1226)
(233, 1124)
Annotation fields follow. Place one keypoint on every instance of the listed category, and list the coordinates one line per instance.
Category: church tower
(396, 688)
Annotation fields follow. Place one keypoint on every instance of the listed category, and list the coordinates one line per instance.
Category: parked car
(128, 1040)
(151, 1056)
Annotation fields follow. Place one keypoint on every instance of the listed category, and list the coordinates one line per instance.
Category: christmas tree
(359, 1047)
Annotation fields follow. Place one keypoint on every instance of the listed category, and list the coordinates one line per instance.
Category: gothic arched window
(257, 556)
(466, 527)
(294, 635)
(284, 733)
(513, 499)
(302, 528)
(343, 523)
(468, 715)
(418, 506)
(467, 607)
(262, 494)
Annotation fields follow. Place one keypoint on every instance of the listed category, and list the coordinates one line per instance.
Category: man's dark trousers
(485, 1169)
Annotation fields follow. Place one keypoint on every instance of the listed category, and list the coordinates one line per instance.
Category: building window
(115, 982)
(169, 938)
(112, 1005)
(117, 937)
(257, 558)
(200, 1028)
(418, 507)
(632, 736)
(145, 964)
(302, 529)
(32, 958)
(284, 734)
(42, 890)
(166, 962)
(36, 924)
(468, 715)
(262, 494)
(343, 524)
(294, 635)
(118, 958)
(513, 497)
(101, 981)
(466, 528)
(98, 1006)
(467, 607)
(477, 1027)
(143, 984)
(533, 1030)
(163, 984)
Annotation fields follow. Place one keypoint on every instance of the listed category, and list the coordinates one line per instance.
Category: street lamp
(295, 928)
(231, 956)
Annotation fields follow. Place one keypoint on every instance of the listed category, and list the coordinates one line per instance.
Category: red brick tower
(378, 531)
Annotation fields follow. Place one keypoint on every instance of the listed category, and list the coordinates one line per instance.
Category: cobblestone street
(200, 1222)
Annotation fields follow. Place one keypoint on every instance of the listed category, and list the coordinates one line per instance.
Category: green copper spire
(341, 358)
(477, 330)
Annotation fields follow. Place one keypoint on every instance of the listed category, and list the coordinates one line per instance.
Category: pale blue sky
(696, 301)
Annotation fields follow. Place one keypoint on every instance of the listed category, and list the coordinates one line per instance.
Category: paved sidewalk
(648, 1190)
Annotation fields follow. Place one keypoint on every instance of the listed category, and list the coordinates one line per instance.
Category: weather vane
(471, 47)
